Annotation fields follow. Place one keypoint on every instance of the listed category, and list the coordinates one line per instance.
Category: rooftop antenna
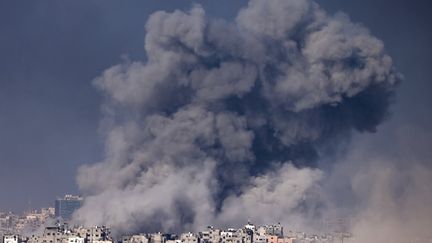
(29, 208)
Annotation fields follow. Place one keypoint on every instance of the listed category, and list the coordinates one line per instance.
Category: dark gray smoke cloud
(227, 121)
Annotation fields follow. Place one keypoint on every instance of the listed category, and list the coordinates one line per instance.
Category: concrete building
(141, 238)
(11, 223)
(11, 239)
(96, 234)
(250, 226)
(272, 239)
(7, 221)
(189, 238)
(257, 238)
(74, 239)
(210, 235)
(245, 235)
(66, 206)
(231, 236)
(50, 235)
(48, 212)
(274, 229)
(157, 238)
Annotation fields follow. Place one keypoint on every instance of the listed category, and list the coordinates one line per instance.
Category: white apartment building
(11, 239)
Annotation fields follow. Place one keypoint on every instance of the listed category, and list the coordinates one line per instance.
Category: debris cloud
(227, 121)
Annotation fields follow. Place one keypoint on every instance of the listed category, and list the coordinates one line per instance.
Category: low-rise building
(157, 238)
(12, 239)
(189, 238)
(74, 239)
(210, 235)
(274, 229)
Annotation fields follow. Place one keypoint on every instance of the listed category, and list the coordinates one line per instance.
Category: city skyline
(167, 116)
(247, 233)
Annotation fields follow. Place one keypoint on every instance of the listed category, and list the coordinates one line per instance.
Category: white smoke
(391, 187)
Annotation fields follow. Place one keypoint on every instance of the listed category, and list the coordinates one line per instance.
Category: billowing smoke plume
(384, 184)
(227, 121)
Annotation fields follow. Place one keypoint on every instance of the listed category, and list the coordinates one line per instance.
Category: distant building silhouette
(66, 206)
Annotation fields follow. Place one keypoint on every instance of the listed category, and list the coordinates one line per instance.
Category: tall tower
(66, 206)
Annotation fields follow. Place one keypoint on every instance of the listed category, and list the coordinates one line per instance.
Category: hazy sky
(51, 51)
